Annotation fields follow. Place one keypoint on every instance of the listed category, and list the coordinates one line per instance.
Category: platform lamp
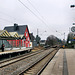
(72, 6)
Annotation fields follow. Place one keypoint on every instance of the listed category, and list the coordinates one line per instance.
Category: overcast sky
(44, 15)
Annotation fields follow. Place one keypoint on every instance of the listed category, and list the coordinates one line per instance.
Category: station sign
(73, 23)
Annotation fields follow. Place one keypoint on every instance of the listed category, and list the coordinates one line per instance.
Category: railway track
(18, 65)
(17, 58)
(38, 67)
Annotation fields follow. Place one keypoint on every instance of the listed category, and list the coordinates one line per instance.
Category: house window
(26, 33)
(28, 45)
(28, 38)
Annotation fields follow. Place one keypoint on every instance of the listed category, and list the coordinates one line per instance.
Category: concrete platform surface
(63, 63)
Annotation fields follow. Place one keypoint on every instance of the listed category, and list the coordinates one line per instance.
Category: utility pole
(37, 31)
(69, 29)
(64, 38)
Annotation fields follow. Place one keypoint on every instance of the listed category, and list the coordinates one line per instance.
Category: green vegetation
(70, 40)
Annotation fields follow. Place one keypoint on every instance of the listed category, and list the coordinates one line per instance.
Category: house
(33, 40)
(23, 32)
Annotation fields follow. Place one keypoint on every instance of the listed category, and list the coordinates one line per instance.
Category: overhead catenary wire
(34, 14)
(14, 18)
(31, 11)
(29, 1)
(6, 20)
(35, 9)
(52, 29)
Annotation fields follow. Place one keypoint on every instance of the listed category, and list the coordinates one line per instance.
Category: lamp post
(61, 34)
(63, 38)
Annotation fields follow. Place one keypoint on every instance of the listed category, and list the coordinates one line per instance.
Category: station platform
(63, 63)
(14, 52)
(7, 51)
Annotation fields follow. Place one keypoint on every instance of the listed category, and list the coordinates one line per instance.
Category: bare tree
(52, 40)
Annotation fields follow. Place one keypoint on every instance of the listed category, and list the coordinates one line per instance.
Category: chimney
(15, 27)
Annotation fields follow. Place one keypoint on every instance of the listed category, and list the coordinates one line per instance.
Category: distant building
(33, 40)
(19, 30)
